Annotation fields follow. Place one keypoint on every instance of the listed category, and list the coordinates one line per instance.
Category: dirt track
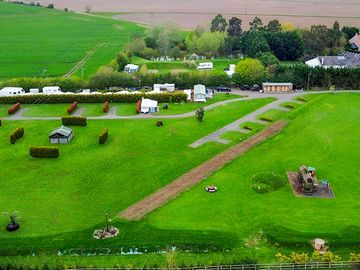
(193, 177)
(189, 13)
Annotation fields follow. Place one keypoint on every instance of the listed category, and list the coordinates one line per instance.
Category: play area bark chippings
(194, 176)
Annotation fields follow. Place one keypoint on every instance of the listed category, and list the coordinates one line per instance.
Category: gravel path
(194, 176)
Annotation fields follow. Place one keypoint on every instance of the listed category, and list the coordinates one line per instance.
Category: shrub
(199, 114)
(103, 136)
(74, 121)
(247, 127)
(14, 108)
(16, 134)
(302, 99)
(159, 123)
(72, 107)
(266, 118)
(266, 182)
(105, 107)
(44, 152)
(96, 98)
(289, 106)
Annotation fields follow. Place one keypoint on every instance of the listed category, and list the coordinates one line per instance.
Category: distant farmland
(43, 42)
(189, 13)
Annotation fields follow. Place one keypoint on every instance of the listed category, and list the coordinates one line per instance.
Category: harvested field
(190, 13)
(193, 177)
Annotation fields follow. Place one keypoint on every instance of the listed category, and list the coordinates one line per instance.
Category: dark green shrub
(14, 108)
(0, 122)
(72, 107)
(267, 182)
(103, 136)
(289, 106)
(74, 121)
(266, 118)
(247, 127)
(16, 134)
(302, 99)
(44, 152)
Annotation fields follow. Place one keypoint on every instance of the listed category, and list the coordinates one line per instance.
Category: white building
(350, 60)
(61, 135)
(199, 93)
(205, 66)
(148, 106)
(231, 70)
(169, 87)
(52, 90)
(11, 91)
(131, 68)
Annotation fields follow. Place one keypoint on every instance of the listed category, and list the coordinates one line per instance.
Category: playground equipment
(307, 178)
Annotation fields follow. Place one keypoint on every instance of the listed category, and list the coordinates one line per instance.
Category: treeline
(33, 4)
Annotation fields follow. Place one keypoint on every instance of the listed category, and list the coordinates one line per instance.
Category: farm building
(52, 90)
(277, 87)
(349, 60)
(131, 68)
(148, 106)
(61, 135)
(199, 93)
(10, 91)
(205, 66)
(170, 87)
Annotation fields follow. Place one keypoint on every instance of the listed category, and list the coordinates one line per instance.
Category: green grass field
(60, 202)
(44, 42)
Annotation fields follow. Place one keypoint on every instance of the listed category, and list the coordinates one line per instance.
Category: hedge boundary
(44, 152)
(93, 98)
(103, 136)
(16, 135)
(74, 121)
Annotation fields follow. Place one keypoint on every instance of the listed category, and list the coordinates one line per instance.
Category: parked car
(223, 89)
(256, 88)
(245, 87)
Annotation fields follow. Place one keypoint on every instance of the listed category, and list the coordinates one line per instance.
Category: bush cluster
(267, 182)
(103, 136)
(74, 121)
(44, 152)
(267, 119)
(289, 106)
(14, 108)
(105, 107)
(96, 98)
(16, 134)
(72, 107)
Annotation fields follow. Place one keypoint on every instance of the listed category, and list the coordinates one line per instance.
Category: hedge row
(96, 98)
(16, 134)
(105, 107)
(14, 108)
(72, 107)
(44, 152)
(267, 119)
(103, 136)
(74, 121)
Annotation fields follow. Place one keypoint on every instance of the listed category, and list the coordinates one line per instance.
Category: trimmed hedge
(0, 122)
(44, 152)
(14, 108)
(247, 127)
(72, 107)
(267, 119)
(302, 99)
(289, 106)
(74, 121)
(105, 107)
(103, 136)
(16, 135)
(94, 98)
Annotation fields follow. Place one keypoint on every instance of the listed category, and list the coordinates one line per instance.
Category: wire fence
(280, 266)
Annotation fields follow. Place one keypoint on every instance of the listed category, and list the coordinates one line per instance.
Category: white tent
(11, 91)
(199, 93)
(149, 106)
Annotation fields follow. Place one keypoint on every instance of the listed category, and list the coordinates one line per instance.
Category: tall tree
(274, 26)
(234, 29)
(350, 31)
(287, 46)
(218, 24)
(257, 24)
(254, 42)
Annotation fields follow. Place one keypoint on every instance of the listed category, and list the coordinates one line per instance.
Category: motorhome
(11, 91)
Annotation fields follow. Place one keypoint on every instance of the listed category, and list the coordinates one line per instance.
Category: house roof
(348, 60)
(355, 40)
(277, 84)
(65, 131)
(145, 102)
(199, 89)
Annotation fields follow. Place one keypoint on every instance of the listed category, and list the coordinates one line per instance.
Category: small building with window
(61, 135)
(199, 93)
(277, 87)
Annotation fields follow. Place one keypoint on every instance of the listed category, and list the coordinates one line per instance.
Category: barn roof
(65, 131)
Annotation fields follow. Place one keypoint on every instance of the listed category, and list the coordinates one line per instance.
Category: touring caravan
(11, 91)
(52, 90)
(131, 68)
(205, 66)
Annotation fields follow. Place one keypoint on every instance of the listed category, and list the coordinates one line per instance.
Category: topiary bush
(247, 127)
(72, 107)
(74, 121)
(289, 106)
(44, 152)
(14, 108)
(267, 182)
(16, 135)
(267, 119)
(103, 136)
(105, 107)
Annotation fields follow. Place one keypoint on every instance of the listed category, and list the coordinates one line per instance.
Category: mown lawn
(71, 193)
(45, 42)
(321, 133)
